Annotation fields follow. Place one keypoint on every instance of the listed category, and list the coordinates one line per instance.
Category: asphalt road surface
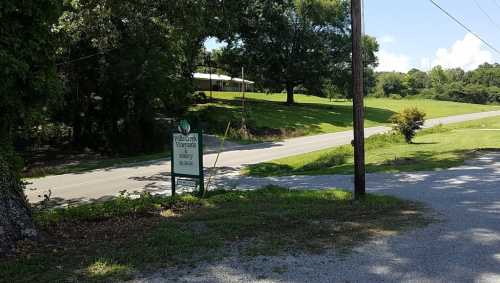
(154, 176)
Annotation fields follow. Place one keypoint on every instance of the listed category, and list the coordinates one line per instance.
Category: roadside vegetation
(118, 239)
(432, 149)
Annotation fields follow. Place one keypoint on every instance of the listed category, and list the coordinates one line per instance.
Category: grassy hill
(270, 118)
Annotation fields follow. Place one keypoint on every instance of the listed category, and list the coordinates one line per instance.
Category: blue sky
(414, 33)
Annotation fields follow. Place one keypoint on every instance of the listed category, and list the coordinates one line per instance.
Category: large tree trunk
(16, 223)
(289, 94)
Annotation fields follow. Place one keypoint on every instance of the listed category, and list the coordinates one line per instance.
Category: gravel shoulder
(463, 247)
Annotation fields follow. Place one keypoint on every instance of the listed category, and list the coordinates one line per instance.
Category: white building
(221, 82)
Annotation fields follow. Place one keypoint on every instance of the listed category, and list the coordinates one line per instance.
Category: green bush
(408, 122)
(200, 98)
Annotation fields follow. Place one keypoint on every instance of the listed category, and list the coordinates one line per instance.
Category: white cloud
(389, 62)
(466, 54)
(387, 39)
(425, 64)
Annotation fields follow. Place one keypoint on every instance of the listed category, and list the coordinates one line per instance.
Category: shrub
(200, 98)
(408, 122)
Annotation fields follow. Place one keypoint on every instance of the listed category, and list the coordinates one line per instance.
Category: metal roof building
(220, 82)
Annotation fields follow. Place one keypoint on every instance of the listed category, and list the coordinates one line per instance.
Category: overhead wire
(496, 3)
(465, 27)
(103, 52)
(487, 15)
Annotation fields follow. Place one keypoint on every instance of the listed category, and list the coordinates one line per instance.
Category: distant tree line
(481, 86)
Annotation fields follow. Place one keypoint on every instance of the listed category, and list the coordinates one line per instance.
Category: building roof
(217, 77)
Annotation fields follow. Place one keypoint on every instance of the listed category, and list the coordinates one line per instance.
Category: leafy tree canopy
(288, 43)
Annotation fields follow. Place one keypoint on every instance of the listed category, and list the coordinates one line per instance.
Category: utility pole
(210, 74)
(358, 107)
(243, 130)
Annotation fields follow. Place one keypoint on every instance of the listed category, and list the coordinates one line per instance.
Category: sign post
(187, 158)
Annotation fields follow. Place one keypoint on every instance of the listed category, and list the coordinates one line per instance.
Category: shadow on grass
(276, 119)
(116, 239)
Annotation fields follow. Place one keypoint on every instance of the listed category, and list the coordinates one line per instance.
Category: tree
(486, 75)
(138, 60)
(340, 71)
(390, 83)
(438, 78)
(416, 80)
(456, 75)
(288, 43)
(28, 84)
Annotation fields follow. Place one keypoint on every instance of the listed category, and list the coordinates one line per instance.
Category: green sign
(184, 127)
(187, 157)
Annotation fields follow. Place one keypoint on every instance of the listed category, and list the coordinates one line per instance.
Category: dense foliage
(142, 58)
(481, 86)
(288, 44)
(28, 78)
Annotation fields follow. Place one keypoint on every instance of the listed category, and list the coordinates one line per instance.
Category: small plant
(200, 98)
(408, 122)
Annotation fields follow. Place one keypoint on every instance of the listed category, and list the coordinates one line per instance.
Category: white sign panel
(187, 183)
(186, 154)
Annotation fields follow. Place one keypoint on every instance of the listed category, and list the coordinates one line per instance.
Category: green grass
(314, 115)
(119, 238)
(89, 165)
(437, 148)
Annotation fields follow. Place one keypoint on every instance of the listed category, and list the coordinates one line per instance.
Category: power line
(85, 57)
(487, 15)
(496, 3)
(464, 26)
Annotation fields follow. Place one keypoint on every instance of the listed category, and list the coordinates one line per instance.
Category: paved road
(463, 247)
(154, 176)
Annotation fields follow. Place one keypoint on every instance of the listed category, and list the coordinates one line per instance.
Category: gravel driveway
(463, 247)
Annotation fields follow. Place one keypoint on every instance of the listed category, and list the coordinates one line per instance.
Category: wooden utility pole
(358, 107)
(210, 74)
(244, 130)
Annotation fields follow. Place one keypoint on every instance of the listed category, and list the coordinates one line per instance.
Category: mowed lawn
(314, 115)
(437, 148)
